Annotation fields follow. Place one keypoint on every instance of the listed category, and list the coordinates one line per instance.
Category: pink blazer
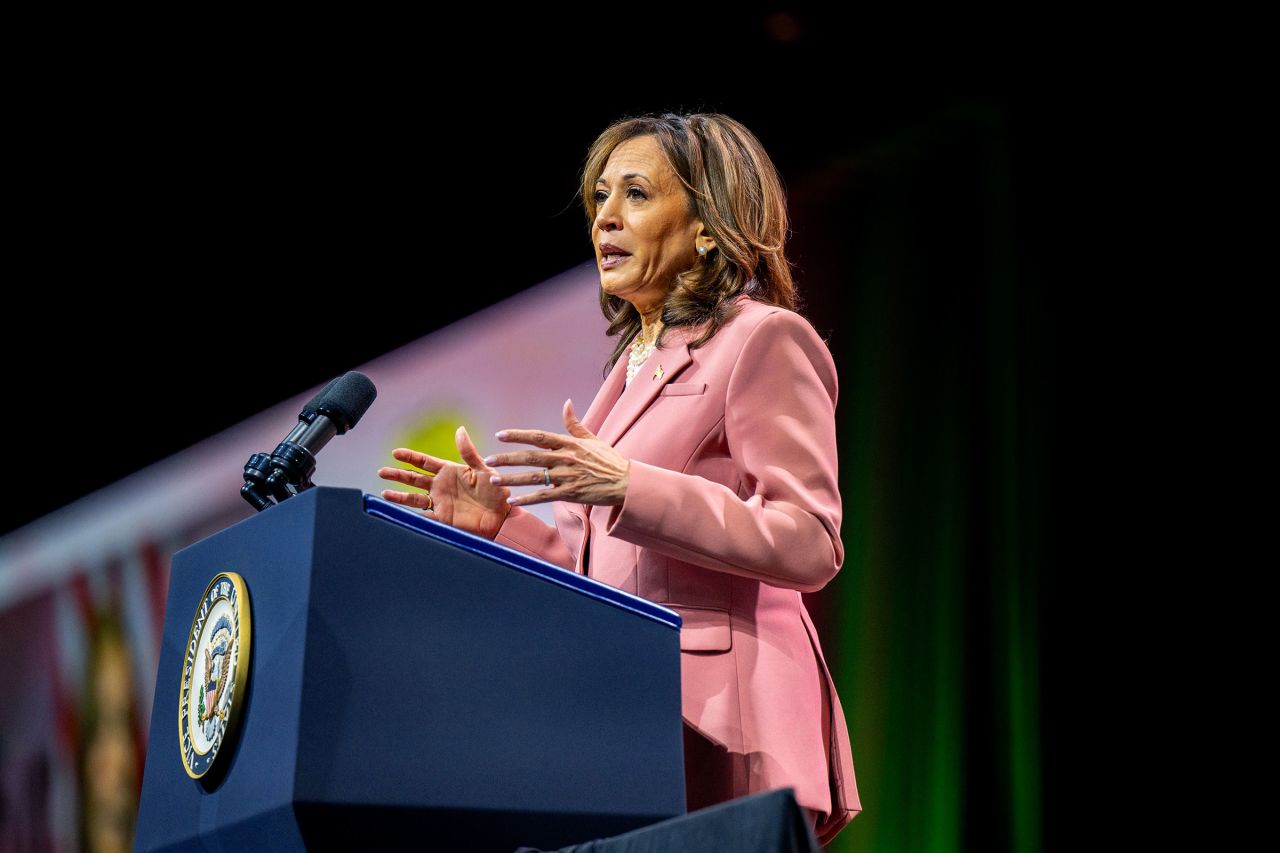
(732, 510)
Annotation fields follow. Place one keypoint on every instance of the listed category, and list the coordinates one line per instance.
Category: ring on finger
(546, 477)
(431, 503)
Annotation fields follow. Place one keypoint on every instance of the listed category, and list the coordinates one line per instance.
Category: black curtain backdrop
(206, 229)
(940, 339)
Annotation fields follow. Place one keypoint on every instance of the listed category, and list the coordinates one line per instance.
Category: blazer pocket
(678, 389)
(703, 629)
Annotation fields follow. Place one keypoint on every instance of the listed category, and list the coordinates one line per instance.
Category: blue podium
(412, 685)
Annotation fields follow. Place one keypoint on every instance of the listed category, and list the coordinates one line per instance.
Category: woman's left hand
(584, 469)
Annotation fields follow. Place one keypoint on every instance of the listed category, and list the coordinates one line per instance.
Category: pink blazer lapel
(607, 396)
(618, 405)
(672, 357)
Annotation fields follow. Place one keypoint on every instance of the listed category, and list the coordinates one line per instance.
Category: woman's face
(642, 209)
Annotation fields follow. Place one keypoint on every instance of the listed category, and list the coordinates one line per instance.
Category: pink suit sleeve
(525, 532)
(780, 429)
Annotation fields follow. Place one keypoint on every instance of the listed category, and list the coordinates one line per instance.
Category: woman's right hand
(460, 495)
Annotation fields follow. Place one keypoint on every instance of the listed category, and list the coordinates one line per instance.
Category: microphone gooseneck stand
(277, 476)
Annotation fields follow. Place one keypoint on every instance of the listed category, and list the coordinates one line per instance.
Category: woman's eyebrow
(628, 176)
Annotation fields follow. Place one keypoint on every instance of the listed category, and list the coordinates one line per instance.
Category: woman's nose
(607, 218)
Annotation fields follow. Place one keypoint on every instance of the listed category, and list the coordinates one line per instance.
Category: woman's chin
(613, 285)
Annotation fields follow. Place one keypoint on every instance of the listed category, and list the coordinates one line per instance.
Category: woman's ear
(703, 243)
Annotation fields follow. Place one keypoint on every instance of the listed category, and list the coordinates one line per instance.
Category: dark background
(208, 226)
(199, 239)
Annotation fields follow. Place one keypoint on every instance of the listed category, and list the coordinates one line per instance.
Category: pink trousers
(711, 775)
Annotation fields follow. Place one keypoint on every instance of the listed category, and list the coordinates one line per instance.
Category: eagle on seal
(216, 670)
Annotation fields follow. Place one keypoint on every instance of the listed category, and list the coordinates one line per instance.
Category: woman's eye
(601, 195)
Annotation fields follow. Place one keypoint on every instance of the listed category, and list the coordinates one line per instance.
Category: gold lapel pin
(657, 374)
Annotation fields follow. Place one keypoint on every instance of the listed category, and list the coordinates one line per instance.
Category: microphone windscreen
(310, 407)
(347, 399)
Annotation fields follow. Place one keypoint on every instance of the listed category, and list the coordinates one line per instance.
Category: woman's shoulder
(756, 315)
(777, 337)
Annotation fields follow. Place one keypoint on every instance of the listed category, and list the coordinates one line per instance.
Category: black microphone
(308, 413)
(338, 408)
(287, 471)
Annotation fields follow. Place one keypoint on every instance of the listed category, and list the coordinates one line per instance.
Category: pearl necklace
(640, 353)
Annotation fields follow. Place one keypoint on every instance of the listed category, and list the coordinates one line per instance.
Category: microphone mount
(287, 471)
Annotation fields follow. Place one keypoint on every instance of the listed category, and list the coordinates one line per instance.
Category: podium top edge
(419, 523)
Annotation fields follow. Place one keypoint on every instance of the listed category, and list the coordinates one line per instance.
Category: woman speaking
(710, 452)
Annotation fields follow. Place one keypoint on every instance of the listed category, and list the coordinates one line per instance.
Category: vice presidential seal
(215, 671)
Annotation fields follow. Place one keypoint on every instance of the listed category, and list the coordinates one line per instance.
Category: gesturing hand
(460, 495)
(583, 468)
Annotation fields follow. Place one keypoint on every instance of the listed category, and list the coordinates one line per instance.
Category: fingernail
(494, 479)
(501, 435)
(511, 499)
(490, 459)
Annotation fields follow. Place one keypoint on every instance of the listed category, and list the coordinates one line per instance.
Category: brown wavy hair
(734, 188)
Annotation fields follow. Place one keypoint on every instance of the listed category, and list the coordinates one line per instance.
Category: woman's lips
(613, 260)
